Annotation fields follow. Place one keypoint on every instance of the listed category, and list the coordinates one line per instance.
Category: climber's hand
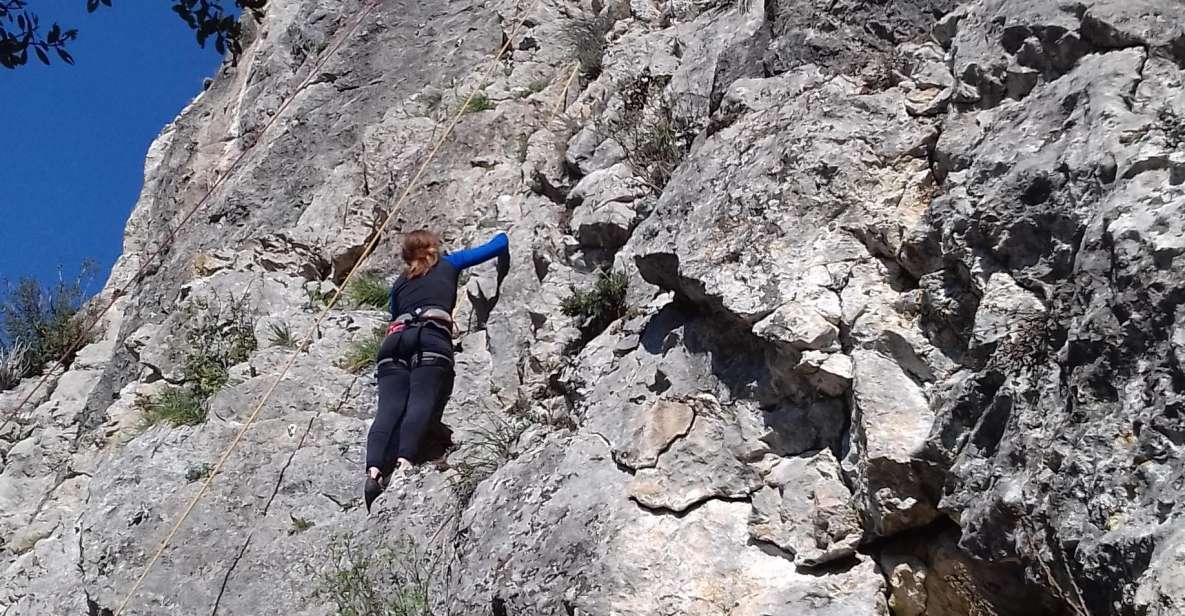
(503, 266)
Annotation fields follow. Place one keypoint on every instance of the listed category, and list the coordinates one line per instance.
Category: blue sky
(75, 136)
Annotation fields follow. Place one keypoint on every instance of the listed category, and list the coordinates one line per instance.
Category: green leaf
(41, 56)
(65, 56)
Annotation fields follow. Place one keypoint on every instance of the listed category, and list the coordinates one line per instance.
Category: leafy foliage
(21, 32)
(369, 289)
(390, 579)
(600, 305)
(220, 336)
(176, 406)
(42, 319)
(363, 353)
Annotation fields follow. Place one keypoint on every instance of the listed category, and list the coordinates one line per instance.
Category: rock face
(902, 334)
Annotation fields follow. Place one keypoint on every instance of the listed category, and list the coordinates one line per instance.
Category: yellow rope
(316, 324)
(559, 104)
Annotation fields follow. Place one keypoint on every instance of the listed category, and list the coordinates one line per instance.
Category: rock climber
(415, 360)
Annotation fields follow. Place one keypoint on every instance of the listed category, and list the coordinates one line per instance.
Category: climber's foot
(404, 466)
(373, 487)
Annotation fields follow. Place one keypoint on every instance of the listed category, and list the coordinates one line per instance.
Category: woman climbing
(415, 361)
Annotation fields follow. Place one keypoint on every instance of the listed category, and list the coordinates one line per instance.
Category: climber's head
(421, 250)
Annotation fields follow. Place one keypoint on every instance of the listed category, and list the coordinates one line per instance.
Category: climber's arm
(498, 246)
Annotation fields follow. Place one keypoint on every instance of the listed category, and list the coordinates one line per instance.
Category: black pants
(412, 394)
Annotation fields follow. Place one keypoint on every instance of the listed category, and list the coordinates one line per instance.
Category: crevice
(276, 490)
(748, 498)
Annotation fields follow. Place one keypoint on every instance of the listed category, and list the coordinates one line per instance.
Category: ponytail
(421, 250)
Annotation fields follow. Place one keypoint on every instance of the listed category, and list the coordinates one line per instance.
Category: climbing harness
(305, 340)
(425, 317)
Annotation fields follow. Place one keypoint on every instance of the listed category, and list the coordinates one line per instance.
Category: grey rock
(650, 433)
(891, 420)
(830, 373)
(704, 464)
(806, 510)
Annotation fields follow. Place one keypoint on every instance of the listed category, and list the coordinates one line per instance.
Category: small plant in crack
(1174, 128)
(299, 524)
(368, 290)
(384, 578)
(198, 472)
(477, 103)
(489, 446)
(363, 353)
(655, 138)
(279, 334)
(175, 406)
(219, 335)
(585, 36)
(598, 306)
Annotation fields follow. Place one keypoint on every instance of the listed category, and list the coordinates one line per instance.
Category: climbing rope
(366, 252)
(93, 321)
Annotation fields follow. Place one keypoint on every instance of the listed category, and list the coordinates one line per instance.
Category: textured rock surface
(904, 329)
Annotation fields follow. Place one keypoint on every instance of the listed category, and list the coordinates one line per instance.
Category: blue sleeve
(392, 304)
(500, 244)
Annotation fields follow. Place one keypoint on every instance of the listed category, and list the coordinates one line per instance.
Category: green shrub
(43, 319)
(363, 353)
(176, 406)
(478, 102)
(220, 335)
(599, 306)
(384, 580)
(369, 289)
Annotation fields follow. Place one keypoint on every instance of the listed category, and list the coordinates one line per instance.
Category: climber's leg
(383, 440)
(426, 385)
(446, 391)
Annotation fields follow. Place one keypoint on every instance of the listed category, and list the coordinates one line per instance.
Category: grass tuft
(477, 103)
(175, 406)
(363, 353)
(281, 335)
(369, 290)
(488, 448)
(599, 305)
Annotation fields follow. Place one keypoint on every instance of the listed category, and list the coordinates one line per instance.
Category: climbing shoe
(373, 488)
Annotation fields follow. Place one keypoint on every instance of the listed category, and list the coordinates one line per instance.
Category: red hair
(421, 250)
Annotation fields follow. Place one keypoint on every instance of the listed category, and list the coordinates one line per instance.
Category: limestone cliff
(903, 329)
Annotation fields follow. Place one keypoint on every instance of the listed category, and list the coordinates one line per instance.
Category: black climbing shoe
(373, 488)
